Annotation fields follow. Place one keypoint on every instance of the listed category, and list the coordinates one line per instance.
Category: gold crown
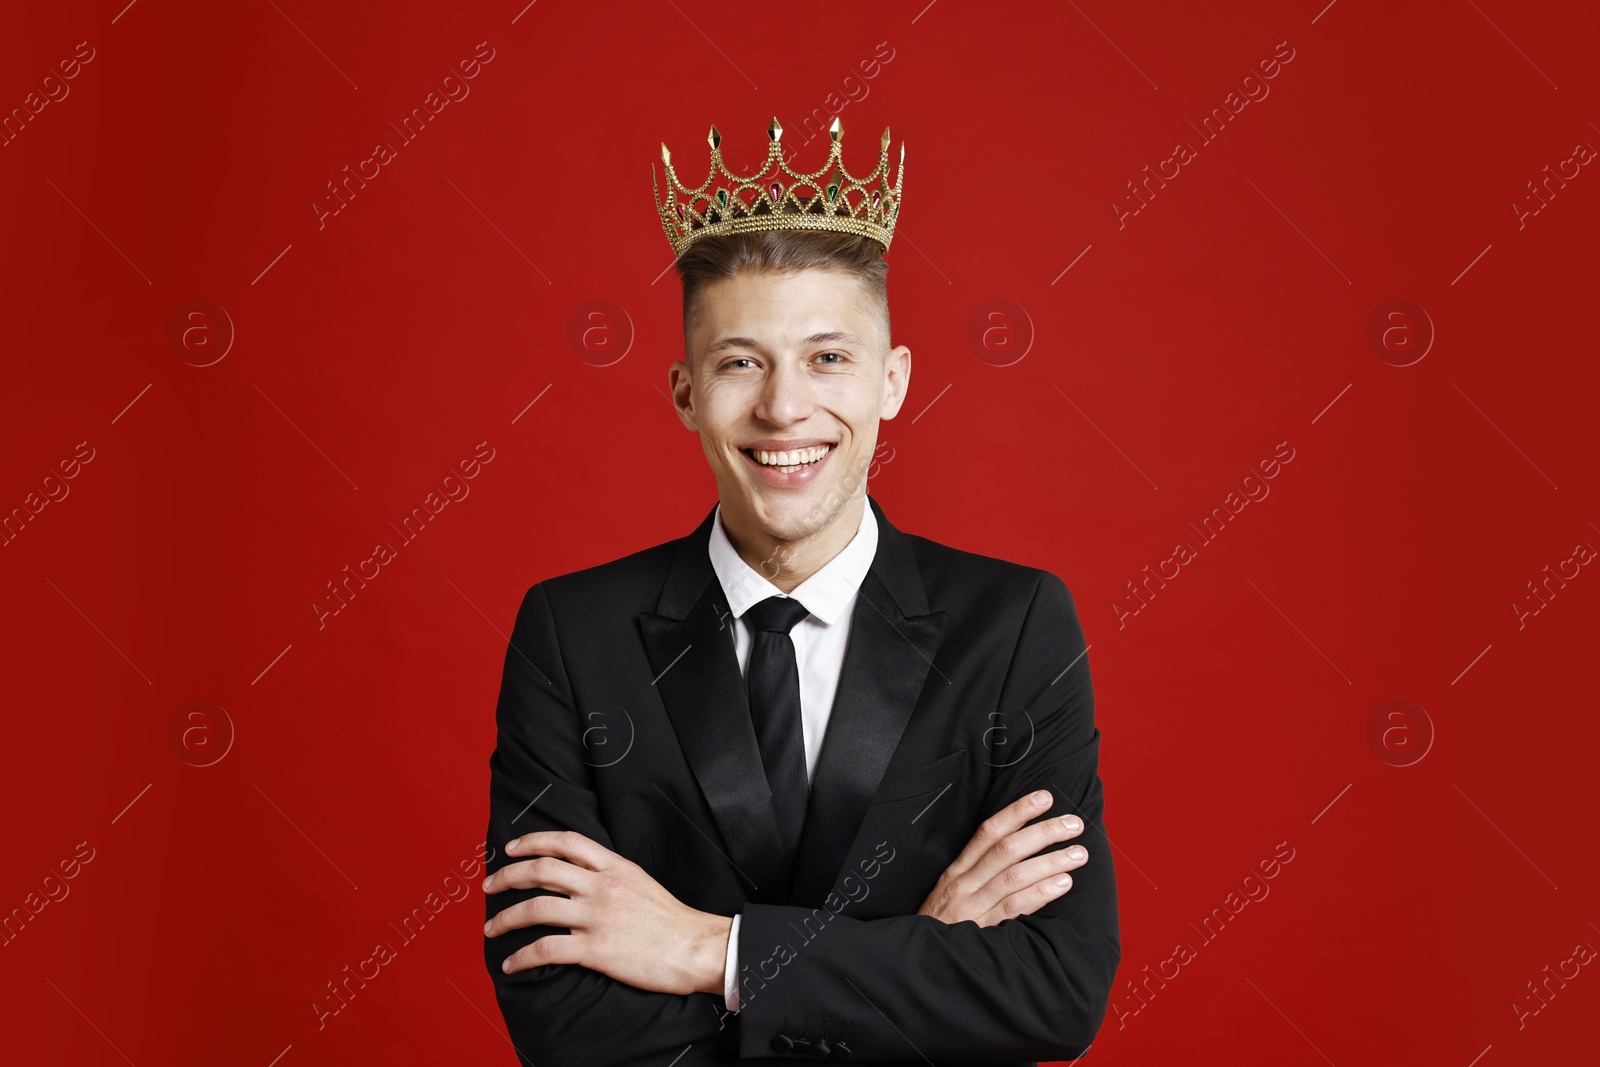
(826, 199)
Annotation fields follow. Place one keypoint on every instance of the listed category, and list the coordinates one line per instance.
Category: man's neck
(788, 563)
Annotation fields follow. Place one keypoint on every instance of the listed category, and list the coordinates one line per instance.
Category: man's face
(794, 363)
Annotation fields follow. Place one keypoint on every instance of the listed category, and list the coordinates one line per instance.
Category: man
(798, 783)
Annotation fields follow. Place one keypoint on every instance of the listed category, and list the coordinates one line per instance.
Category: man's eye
(837, 355)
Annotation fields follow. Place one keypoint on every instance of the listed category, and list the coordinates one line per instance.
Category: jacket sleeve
(539, 779)
(1035, 987)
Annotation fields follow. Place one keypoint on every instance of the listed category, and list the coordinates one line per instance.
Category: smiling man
(787, 372)
(797, 783)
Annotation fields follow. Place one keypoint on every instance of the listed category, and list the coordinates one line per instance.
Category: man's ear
(680, 387)
(897, 380)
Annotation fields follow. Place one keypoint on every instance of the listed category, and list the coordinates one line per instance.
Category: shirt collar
(826, 594)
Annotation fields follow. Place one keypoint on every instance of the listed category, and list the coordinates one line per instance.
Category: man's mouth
(789, 461)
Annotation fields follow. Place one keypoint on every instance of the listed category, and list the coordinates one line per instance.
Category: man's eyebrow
(831, 337)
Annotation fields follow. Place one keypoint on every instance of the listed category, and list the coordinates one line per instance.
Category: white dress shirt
(820, 640)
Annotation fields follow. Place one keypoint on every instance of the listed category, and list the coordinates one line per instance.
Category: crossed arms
(593, 961)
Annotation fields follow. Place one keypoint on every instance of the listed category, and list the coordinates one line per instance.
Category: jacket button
(783, 1043)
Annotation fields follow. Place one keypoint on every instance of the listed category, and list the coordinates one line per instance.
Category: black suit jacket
(622, 716)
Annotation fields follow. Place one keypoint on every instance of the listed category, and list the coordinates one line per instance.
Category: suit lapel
(893, 639)
(690, 645)
(689, 642)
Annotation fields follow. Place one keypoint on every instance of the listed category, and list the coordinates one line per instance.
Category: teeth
(792, 460)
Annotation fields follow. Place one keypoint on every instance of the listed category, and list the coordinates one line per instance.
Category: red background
(372, 354)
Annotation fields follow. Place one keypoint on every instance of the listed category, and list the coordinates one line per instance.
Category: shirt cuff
(730, 978)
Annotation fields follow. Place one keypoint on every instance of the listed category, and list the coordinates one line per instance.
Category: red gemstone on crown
(777, 191)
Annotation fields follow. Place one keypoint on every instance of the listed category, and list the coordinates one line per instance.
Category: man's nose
(785, 396)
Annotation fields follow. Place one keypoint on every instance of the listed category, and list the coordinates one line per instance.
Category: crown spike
(836, 131)
(775, 131)
(714, 137)
(666, 156)
(883, 144)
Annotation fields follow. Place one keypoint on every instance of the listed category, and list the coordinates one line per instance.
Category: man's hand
(622, 922)
(991, 880)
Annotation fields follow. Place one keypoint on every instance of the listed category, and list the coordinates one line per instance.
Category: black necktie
(774, 688)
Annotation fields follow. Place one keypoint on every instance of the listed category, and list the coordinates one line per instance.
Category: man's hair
(784, 252)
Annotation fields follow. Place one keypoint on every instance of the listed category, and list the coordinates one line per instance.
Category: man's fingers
(538, 911)
(1004, 871)
(567, 844)
(1028, 900)
(999, 826)
(552, 948)
(542, 872)
(1019, 878)
(1020, 844)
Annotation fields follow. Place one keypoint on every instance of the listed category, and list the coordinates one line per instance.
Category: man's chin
(794, 514)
